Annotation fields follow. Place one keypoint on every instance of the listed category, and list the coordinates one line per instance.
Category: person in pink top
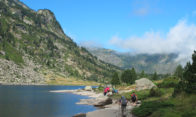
(106, 90)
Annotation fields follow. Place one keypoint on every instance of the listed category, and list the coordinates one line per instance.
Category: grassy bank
(54, 79)
(184, 105)
(160, 102)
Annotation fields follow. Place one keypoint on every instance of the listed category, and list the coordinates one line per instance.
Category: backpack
(123, 102)
(133, 97)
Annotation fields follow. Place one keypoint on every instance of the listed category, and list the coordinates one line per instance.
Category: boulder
(143, 84)
(98, 102)
(2, 52)
(104, 102)
(80, 115)
(88, 88)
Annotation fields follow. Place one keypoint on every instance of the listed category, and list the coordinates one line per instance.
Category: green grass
(100, 89)
(147, 108)
(140, 94)
(183, 105)
(168, 82)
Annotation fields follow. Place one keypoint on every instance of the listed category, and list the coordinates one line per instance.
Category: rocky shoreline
(109, 107)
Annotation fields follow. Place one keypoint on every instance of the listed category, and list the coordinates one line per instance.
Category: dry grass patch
(53, 79)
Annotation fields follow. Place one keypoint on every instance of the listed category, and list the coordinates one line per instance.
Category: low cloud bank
(180, 39)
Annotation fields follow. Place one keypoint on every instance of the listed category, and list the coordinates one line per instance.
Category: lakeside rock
(143, 84)
(103, 102)
(88, 88)
(80, 115)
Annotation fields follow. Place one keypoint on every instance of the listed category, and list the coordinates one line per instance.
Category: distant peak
(45, 12)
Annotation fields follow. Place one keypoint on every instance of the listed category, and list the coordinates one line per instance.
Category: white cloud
(145, 7)
(141, 11)
(180, 39)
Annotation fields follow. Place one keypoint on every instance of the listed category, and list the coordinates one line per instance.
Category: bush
(179, 88)
(155, 92)
(147, 108)
(141, 95)
(170, 82)
(101, 88)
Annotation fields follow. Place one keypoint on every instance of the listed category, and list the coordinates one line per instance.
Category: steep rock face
(50, 23)
(26, 35)
(106, 55)
(15, 74)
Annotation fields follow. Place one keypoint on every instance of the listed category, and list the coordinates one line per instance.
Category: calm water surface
(37, 101)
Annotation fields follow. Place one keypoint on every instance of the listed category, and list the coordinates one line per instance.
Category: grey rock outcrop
(88, 88)
(11, 73)
(99, 101)
(104, 102)
(143, 84)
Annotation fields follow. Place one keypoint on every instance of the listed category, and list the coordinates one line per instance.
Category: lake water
(37, 101)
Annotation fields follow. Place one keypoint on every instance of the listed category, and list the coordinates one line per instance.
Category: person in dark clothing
(133, 98)
(123, 101)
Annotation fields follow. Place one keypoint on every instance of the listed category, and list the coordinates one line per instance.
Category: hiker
(123, 101)
(134, 98)
(114, 90)
(106, 90)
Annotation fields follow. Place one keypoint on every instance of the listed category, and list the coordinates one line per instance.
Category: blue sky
(123, 25)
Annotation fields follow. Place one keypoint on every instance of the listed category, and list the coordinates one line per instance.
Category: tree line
(186, 77)
(129, 76)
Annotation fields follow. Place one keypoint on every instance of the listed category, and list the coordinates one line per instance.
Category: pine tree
(115, 79)
(155, 77)
(129, 76)
(133, 76)
(189, 75)
(142, 74)
(126, 76)
(179, 71)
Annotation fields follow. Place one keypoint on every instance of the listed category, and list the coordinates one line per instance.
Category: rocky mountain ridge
(33, 45)
(150, 63)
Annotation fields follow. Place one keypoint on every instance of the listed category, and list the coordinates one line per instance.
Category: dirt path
(113, 111)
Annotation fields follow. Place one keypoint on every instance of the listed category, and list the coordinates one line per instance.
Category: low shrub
(155, 92)
(170, 82)
(147, 108)
(99, 89)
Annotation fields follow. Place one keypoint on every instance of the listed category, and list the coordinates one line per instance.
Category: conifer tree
(115, 79)
(179, 71)
(142, 74)
(133, 76)
(155, 77)
(126, 76)
(189, 75)
(129, 76)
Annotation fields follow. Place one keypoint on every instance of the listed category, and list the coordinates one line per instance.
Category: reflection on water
(37, 101)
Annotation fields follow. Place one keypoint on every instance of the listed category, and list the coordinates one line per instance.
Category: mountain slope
(161, 63)
(33, 45)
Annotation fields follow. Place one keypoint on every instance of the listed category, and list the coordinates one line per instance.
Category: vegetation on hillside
(30, 34)
(174, 96)
(161, 63)
(177, 102)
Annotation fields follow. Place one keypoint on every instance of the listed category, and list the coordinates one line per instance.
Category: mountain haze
(33, 46)
(161, 63)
